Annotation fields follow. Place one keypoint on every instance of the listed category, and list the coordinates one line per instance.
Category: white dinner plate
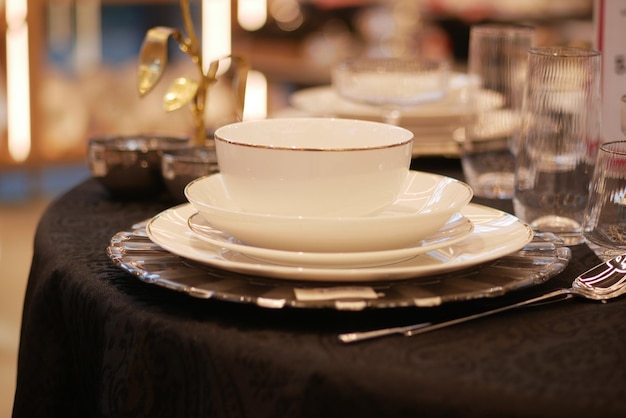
(495, 235)
(456, 229)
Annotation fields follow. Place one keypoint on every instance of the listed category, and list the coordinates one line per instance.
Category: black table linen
(97, 342)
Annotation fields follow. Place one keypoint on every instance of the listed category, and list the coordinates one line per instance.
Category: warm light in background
(251, 14)
(287, 14)
(216, 31)
(18, 88)
(256, 96)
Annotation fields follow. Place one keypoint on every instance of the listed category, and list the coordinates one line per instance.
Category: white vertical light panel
(251, 14)
(18, 88)
(88, 53)
(256, 96)
(216, 31)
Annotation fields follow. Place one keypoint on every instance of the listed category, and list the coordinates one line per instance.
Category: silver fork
(605, 281)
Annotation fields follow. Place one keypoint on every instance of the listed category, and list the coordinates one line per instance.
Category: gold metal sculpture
(153, 62)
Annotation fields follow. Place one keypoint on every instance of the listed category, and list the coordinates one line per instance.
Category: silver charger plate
(538, 261)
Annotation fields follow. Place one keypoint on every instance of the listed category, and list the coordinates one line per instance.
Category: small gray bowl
(179, 167)
(129, 167)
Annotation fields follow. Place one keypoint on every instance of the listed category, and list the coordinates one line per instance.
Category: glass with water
(558, 141)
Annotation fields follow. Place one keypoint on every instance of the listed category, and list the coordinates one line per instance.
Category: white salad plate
(456, 229)
(495, 235)
(427, 201)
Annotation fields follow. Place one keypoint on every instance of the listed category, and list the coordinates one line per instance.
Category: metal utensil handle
(421, 328)
(460, 320)
(351, 337)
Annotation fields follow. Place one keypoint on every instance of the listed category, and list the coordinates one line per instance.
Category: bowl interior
(138, 143)
(192, 155)
(313, 134)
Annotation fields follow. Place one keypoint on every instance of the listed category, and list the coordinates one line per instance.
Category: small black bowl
(181, 166)
(129, 167)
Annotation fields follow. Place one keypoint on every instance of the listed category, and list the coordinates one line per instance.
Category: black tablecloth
(96, 341)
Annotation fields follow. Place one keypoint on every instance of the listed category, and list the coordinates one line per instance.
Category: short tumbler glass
(605, 216)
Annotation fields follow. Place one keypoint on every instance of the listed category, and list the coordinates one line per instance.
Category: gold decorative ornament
(153, 61)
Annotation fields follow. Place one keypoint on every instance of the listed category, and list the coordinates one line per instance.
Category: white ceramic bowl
(426, 202)
(313, 166)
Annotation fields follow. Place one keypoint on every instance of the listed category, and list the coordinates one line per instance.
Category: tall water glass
(498, 56)
(605, 217)
(558, 140)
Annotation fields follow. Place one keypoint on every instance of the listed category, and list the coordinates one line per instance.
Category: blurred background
(68, 67)
(68, 70)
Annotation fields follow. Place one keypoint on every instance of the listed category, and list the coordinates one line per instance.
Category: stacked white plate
(433, 124)
(431, 228)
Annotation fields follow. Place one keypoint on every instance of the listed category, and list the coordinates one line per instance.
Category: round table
(98, 342)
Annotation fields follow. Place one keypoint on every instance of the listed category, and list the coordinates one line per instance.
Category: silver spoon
(602, 282)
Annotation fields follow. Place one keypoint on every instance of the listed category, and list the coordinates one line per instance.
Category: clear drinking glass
(391, 84)
(605, 216)
(498, 56)
(558, 140)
